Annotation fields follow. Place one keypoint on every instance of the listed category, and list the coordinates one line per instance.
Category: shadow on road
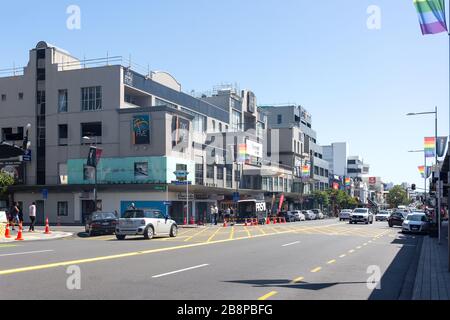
(289, 285)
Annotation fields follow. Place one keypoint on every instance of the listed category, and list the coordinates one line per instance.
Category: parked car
(288, 215)
(397, 218)
(416, 223)
(101, 223)
(361, 215)
(148, 223)
(319, 214)
(345, 214)
(382, 216)
(309, 215)
(299, 216)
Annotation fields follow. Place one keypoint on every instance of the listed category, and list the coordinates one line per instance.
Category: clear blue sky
(357, 83)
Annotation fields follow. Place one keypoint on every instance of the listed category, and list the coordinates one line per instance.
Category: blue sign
(45, 194)
(236, 197)
(167, 203)
(182, 183)
(27, 156)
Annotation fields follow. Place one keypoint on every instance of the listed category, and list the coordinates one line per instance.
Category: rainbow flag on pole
(430, 147)
(422, 171)
(431, 16)
(306, 171)
(348, 182)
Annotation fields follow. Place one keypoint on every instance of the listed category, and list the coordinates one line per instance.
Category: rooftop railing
(12, 72)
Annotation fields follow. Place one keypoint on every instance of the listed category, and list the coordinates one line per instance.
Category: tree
(322, 198)
(5, 181)
(397, 197)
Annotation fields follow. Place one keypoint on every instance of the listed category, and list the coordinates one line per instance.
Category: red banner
(281, 203)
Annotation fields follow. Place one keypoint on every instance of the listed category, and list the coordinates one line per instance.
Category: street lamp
(95, 171)
(438, 199)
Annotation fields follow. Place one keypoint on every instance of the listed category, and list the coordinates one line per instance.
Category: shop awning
(10, 151)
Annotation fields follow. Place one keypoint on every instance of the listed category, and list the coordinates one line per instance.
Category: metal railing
(15, 71)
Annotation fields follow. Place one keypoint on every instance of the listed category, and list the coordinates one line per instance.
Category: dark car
(101, 223)
(289, 216)
(397, 219)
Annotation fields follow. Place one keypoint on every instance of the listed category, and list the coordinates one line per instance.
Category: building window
(280, 119)
(62, 100)
(210, 171)
(12, 134)
(91, 98)
(92, 130)
(220, 127)
(20, 95)
(236, 119)
(199, 173)
(199, 123)
(63, 209)
(162, 103)
(229, 169)
(63, 175)
(3, 97)
(213, 126)
(63, 134)
(237, 175)
(219, 172)
(141, 171)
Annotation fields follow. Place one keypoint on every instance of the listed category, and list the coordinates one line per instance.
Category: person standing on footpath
(32, 214)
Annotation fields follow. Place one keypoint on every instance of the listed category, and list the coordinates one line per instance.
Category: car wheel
(173, 231)
(148, 234)
(121, 238)
(390, 225)
(91, 233)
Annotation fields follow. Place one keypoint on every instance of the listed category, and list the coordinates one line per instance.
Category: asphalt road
(319, 260)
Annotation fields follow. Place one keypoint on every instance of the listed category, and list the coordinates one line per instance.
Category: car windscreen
(103, 216)
(360, 211)
(134, 214)
(415, 217)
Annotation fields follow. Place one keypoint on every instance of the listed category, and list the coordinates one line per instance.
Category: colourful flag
(422, 171)
(242, 157)
(306, 171)
(348, 182)
(430, 146)
(431, 16)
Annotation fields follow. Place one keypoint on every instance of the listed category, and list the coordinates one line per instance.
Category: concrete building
(337, 154)
(147, 129)
(295, 116)
(357, 168)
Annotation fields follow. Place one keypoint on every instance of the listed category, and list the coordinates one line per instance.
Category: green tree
(397, 197)
(5, 181)
(321, 198)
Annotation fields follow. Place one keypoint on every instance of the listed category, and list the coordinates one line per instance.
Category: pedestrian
(213, 215)
(14, 215)
(32, 214)
(20, 215)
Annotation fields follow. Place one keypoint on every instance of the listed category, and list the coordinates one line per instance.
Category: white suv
(361, 215)
(147, 223)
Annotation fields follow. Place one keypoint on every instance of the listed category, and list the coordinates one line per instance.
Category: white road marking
(291, 244)
(179, 271)
(25, 253)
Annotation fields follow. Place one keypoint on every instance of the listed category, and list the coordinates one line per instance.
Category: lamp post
(438, 200)
(95, 171)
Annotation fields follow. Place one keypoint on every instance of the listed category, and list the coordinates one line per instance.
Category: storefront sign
(254, 149)
(141, 129)
(182, 197)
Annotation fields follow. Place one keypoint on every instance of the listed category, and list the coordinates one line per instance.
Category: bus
(251, 209)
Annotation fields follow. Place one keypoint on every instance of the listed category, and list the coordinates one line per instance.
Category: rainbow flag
(431, 16)
(306, 171)
(422, 171)
(242, 154)
(430, 147)
(348, 182)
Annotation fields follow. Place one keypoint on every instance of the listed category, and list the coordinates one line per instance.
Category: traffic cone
(246, 224)
(268, 220)
(185, 221)
(274, 220)
(225, 223)
(47, 227)
(20, 234)
(255, 222)
(7, 232)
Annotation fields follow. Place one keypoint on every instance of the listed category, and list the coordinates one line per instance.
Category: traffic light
(413, 187)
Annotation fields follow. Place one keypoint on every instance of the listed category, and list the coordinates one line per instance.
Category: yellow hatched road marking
(342, 256)
(318, 269)
(268, 296)
(197, 234)
(214, 235)
(331, 262)
(261, 230)
(232, 233)
(248, 232)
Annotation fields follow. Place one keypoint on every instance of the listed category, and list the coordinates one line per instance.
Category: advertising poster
(141, 129)
(180, 132)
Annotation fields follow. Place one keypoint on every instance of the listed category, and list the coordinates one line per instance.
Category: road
(318, 260)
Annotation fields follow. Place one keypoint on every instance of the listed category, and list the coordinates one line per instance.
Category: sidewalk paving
(36, 236)
(433, 278)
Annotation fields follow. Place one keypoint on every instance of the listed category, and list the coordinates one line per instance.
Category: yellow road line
(359, 247)
(213, 236)
(248, 232)
(232, 233)
(262, 230)
(331, 262)
(318, 269)
(342, 256)
(268, 296)
(298, 280)
(351, 251)
(195, 235)
(8, 245)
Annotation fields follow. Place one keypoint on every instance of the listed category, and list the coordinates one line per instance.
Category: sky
(358, 83)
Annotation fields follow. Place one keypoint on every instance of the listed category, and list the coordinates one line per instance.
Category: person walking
(32, 215)
(14, 215)
(213, 216)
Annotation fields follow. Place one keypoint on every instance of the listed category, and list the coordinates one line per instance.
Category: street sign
(27, 156)
(181, 175)
(45, 194)
(167, 203)
(182, 183)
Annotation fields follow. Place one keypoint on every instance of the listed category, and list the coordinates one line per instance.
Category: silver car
(382, 216)
(416, 223)
(345, 215)
(319, 214)
(299, 216)
(148, 223)
(361, 215)
(309, 215)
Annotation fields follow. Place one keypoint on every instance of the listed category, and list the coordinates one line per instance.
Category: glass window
(236, 124)
(91, 98)
(162, 103)
(63, 209)
(219, 172)
(63, 134)
(280, 119)
(210, 171)
(62, 100)
(92, 130)
(20, 95)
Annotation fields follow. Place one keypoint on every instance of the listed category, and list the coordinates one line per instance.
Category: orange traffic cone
(20, 234)
(274, 220)
(7, 232)
(185, 221)
(255, 222)
(47, 227)
(225, 223)
(268, 220)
